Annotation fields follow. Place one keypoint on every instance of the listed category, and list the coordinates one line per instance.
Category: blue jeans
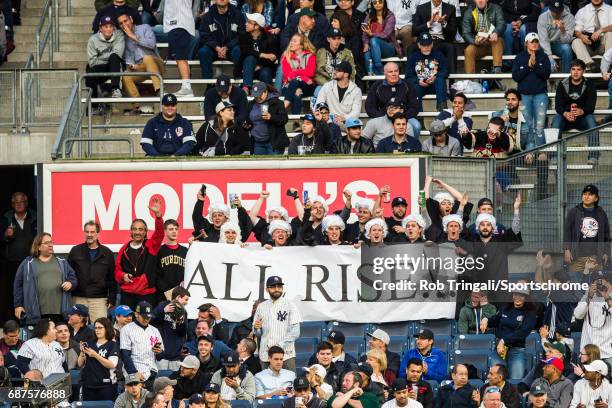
(289, 92)
(208, 56)
(509, 39)
(563, 51)
(147, 18)
(582, 123)
(379, 49)
(535, 116)
(160, 36)
(438, 87)
(416, 127)
(264, 148)
(248, 72)
(515, 362)
(278, 79)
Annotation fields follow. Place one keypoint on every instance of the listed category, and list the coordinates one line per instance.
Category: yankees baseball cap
(400, 384)
(274, 281)
(300, 383)
(212, 387)
(399, 201)
(556, 6)
(538, 389)
(425, 38)
(145, 309)
(106, 20)
(231, 359)
(223, 83)
(169, 99)
(336, 337)
(80, 310)
(425, 334)
(258, 89)
(132, 379)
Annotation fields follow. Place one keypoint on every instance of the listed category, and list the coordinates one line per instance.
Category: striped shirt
(276, 318)
(584, 394)
(597, 328)
(140, 341)
(178, 14)
(47, 358)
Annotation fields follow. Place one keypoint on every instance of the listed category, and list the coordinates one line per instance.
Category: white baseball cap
(531, 36)
(258, 18)
(597, 366)
(380, 335)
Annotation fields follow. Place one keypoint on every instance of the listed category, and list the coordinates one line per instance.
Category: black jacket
(317, 36)
(424, 394)
(185, 387)
(252, 364)
(343, 146)
(201, 223)
(265, 44)
(448, 397)
(423, 14)
(221, 30)
(96, 278)
(237, 97)
(509, 395)
(381, 92)
(525, 10)
(277, 122)
(586, 99)
(241, 331)
(208, 368)
(314, 145)
(237, 142)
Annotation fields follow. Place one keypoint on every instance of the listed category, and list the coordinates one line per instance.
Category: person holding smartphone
(303, 396)
(594, 390)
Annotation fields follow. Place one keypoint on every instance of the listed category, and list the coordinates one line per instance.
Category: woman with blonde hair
(588, 354)
(316, 377)
(298, 64)
(380, 374)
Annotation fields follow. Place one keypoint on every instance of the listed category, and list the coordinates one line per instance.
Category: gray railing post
(561, 185)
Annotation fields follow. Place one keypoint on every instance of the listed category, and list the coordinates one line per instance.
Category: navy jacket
(317, 35)
(237, 97)
(531, 80)
(381, 92)
(514, 325)
(388, 145)
(221, 30)
(449, 397)
(421, 61)
(173, 333)
(161, 137)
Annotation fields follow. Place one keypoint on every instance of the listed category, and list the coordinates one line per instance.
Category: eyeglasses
(48, 243)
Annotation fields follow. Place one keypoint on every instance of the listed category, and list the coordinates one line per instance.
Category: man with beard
(492, 249)
(379, 128)
(94, 266)
(399, 389)
(189, 378)
(485, 205)
(352, 392)
(137, 260)
(418, 389)
(277, 322)
(210, 231)
(342, 96)
(512, 116)
(236, 382)
(398, 212)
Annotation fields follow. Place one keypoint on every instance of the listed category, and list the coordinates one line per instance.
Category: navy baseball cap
(344, 66)
(123, 310)
(212, 387)
(365, 368)
(301, 383)
(106, 20)
(400, 384)
(556, 6)
(425, 334)
(223, 83)
(310, 118)
(321, 105)
(334, 33)
(425, 38)
(336, 336)
(145, 309)
(80, 310)
(197, 399)
(274, 281)
(169, 99)
(591, 188)
(231, 359)
(399, 201)
(258, 89)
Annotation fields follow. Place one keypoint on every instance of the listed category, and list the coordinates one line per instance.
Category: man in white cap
(189, 379)
(280, 233)
(379, 339)
(258, 52)
(210, 230)
(332, 227)
(277, 322)
(594, 390)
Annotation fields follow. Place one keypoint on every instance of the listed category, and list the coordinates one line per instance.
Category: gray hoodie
(549, 33)
(125, 400)
(99, 49)
(246, 390)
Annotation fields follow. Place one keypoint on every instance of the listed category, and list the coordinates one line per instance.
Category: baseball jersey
(140, 342)
(276, 317)
(47, 358)
(94, 373)
(178, 14)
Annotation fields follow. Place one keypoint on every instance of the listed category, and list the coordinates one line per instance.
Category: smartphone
(364, 25)
(289, 388)
(289, 193)
(158, 344)
(305, 196)
(203, 189)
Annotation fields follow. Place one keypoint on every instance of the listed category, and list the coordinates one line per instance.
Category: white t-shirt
(403, 11)
(411, 404)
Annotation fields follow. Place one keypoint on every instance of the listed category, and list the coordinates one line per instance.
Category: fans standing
(277, 322)
(171, 262)
(137, 260)
(94, 265)
(179, 24)
(209, 230)
(267, 120)
(170, 318)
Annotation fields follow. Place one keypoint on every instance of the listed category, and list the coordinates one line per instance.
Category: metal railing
(466, 174)
(8, 99)
(98, 139)
(71, 123)
(46, 35)
(549, 178)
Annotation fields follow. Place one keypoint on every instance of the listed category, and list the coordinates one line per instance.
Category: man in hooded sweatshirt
(330, 56)
(104, 52)
(472, 313)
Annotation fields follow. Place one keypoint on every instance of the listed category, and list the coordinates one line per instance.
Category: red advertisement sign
(116, 193)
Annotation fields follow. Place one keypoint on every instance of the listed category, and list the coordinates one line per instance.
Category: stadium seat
(94, 404)
(398, 344)
(269, 403)
(476, 383)
(405, 329)
(354, 345)
(478, 358)
(313, 329)
(483, 341)
(164, 373)
(350, 329)
(240, 404)
(442, 342)
(533, 343)
(435, 387)
(441, 326)
(306, 345)
(301, 359)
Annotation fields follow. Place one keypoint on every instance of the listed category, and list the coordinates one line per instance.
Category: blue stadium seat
(435, 387)
(306, 345)
(478, 358)
(438, 327)
(301, 359)
(354, 345)
(312, 329)
(405, 329)
(164, 373)
(484, 341)
(349, 329)
(268, 403)
(398, 344)
(240, 404)
(476, 383)
(533, 343)
(94, 404)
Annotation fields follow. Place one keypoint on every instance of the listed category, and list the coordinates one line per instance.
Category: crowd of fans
(287, 51)
(123, 322)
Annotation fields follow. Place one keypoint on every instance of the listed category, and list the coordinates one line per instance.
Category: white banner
(326, 283)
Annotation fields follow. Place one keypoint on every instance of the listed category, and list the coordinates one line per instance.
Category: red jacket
(143, 280)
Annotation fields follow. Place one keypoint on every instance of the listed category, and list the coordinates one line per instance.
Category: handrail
(98, 139)
(61, 129)
(49, 38)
